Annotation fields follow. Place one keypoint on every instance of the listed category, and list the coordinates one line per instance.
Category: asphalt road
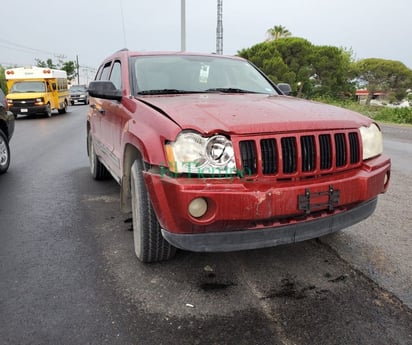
(68, 274)
(381, 246)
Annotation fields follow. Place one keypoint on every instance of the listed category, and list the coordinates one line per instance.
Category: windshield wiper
(177, 92)
(228, 90)
(165, 92)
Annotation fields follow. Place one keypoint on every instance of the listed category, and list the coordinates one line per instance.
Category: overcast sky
(93, 29)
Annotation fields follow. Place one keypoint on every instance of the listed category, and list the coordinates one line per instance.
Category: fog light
(198, 207)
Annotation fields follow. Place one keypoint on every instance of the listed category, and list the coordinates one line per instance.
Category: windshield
(78, 89)
(28, 86)
(192, 74)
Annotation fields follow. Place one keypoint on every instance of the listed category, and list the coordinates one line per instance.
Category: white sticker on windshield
(204, 74)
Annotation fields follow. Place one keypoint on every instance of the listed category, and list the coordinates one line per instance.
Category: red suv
(210, 155)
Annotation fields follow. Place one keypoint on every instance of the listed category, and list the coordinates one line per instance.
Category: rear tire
(4, 153)
(97, 169)
(64, 109)
(149, 244)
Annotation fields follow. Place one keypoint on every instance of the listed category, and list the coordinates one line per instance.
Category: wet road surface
(68, 274)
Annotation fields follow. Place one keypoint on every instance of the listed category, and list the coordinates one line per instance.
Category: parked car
(78, 94)
(6, 132)
(211, 156)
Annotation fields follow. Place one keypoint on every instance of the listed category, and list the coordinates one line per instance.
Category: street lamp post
(183, 25)
(77, 68)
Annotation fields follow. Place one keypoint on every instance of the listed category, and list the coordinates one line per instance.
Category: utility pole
(123, 27)
(183, 25)
(219, 28)
(77, 67)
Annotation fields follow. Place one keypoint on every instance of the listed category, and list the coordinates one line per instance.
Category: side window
(98, 73)
(116, 75)
(105, 71)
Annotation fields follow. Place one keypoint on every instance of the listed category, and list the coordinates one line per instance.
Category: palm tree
(278, 31)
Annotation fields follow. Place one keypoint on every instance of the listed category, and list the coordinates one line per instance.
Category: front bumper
(28, 110)
(272, 236)
(245, 214)
(75, 98)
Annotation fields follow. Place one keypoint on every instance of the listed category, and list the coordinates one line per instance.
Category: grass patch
(385, 114)
(395, 115)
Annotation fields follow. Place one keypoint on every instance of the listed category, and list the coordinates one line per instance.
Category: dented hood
(252, 113)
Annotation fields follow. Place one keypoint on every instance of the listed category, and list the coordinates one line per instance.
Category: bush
(396, 115)
(386, 114)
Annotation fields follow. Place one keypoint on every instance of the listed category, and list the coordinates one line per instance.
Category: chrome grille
(21, 103)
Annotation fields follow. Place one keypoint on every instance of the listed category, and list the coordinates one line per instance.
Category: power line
(28, 50)
(21, 47)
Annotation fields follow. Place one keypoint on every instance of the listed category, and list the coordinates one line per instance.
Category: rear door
(110, 115)
(110, 124)
(115, 116)
(102, 140)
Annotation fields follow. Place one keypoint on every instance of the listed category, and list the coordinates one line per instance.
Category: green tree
(266, 57)
(296, 54)
(3, 84)
(278, 31)
(46, 64)
(286, 60)
(71, 69)
(68, 66)
(332, 68)
(384, 75)
(310, 70)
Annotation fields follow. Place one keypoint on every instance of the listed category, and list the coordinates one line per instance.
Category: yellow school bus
(36, 90)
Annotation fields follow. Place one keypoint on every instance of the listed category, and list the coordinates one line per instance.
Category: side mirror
(104, 89)
(285, 88)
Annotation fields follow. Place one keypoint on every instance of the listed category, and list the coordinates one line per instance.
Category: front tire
(97, 169)
(149, 244)
(48, 110)
(4, 153)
